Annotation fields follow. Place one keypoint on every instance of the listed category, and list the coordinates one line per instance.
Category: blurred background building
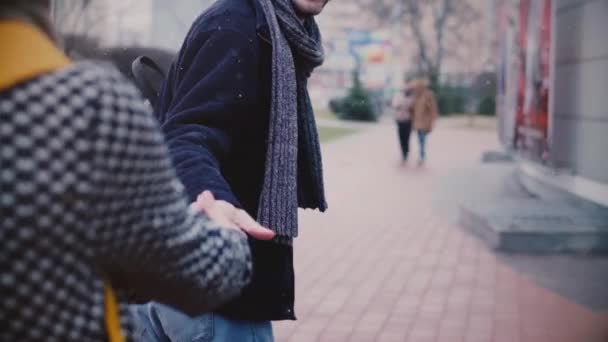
(553, 71)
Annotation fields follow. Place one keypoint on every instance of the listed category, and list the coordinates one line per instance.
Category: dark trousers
(405, 128)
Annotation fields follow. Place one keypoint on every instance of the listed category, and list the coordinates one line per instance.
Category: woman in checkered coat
(90, 209)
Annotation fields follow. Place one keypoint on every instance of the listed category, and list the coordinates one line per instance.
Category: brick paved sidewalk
(382, 265)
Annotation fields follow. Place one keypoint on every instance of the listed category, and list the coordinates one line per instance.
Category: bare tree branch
(83, 18)
(439, 28)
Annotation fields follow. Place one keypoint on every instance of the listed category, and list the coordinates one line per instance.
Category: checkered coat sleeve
(88, 193)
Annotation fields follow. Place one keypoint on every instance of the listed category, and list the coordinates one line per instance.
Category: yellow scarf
(26, 53)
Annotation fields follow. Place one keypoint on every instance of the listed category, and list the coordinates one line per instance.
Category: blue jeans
(158, 323)
(422, 143)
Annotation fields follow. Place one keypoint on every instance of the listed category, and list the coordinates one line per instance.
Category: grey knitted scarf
(293, 176)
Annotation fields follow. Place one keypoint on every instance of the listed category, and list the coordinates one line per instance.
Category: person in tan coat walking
(424, 114)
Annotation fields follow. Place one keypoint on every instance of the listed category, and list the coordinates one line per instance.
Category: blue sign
(356, 37)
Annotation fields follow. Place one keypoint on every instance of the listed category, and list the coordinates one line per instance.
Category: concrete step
(537, 226)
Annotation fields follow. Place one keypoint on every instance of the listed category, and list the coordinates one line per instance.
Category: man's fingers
(251, 227)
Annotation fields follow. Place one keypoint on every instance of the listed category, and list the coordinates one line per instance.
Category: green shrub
(487, 106)
(335, 105)
(357, 105)
(451, 100)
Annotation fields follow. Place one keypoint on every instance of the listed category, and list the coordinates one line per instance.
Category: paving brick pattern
(383, 265)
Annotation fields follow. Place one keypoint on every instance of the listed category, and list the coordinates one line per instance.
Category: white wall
(580, 117)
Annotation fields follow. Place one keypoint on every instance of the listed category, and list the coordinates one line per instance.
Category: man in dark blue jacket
(238, 122)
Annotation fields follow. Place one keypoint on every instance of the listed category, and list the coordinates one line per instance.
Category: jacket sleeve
(213, 87)
(147, 239)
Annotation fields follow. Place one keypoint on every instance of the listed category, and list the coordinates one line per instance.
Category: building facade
(553, 76)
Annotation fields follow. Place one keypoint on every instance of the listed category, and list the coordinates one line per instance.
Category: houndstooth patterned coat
(88, 192)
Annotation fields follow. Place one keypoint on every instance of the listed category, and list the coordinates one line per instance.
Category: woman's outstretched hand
(229, 216)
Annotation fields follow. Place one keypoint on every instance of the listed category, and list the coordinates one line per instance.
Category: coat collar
(26, 53)
(263, 31)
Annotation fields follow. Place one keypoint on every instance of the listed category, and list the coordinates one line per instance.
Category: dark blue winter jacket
(214, 110)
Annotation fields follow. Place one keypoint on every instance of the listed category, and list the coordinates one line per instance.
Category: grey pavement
(386, 262)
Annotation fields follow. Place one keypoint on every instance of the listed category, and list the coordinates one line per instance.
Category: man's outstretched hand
(228, 216)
